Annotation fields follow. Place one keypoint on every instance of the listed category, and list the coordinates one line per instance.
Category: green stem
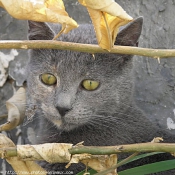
(107, 150)
(8, 152)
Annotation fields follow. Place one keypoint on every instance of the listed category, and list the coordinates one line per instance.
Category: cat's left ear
(39, 31)
(129, 36)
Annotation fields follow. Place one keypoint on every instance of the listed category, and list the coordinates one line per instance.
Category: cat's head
(73, 89)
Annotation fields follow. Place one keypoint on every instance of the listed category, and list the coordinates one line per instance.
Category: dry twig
(88, 48)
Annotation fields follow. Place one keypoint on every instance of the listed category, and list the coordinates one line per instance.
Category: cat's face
(72, 89)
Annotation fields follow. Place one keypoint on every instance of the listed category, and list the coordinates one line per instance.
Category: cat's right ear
(39, 31)
(129, 36)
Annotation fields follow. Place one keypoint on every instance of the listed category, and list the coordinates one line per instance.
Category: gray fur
(106, 116)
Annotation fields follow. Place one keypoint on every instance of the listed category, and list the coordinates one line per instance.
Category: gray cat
(77, 97)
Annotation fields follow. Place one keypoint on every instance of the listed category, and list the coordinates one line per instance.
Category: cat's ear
(129, 36)
(39, 31)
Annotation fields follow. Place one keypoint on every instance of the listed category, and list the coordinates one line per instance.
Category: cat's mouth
(64, 124)
(71, 122)
(58, 123)
(68, 125)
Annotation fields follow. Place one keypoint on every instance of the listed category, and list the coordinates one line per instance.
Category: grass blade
(150, 168)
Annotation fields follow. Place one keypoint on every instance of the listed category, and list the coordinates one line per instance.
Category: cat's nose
(64, 103)
(62, 110)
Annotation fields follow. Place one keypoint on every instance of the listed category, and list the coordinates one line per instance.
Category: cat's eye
(90, 85)
(48, 79)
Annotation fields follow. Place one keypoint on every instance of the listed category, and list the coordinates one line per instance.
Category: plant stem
(105, 150)
(8, 152)
(89, 48)
(141, 147)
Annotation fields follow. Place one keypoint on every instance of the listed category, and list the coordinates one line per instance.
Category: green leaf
(143, 156)
(91, 171)
(150, 168)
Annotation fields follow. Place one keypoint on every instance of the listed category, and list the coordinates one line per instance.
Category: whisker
(97, 123)
(113, 116)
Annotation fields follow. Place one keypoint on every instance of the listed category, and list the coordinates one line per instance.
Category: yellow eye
(90, 85)
(48, 79)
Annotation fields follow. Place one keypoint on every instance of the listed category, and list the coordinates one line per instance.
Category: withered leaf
(40, 10)
(19, 166)
(50, 152)
(107, 16)
(96, 162)
(16, 110)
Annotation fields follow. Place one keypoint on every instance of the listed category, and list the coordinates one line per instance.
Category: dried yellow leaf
(40, 10)
(25, 167)
(16, 110)
(19, 166)
(107, 16)
(102, 162)
(157, 140)
(50, 152)
(5, 142)
(96, 162)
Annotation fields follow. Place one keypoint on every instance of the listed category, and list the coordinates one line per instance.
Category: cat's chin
(65, 123)
(68, 127)
(64, 126)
